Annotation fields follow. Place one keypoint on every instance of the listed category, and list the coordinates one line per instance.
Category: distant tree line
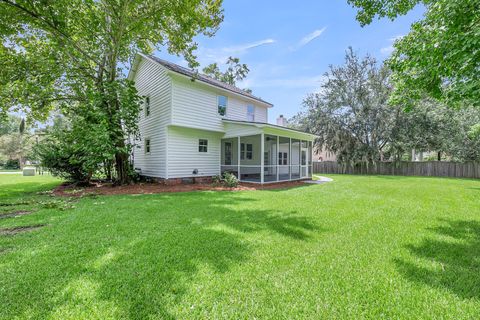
(16, 142)
(425, 97)
(354, 117)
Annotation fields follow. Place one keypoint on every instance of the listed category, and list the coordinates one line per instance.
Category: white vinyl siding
(261, 114)
(184, 156)
(194, 105)
(181, 113)
(238, 108)
(152, 80)
(238, 129)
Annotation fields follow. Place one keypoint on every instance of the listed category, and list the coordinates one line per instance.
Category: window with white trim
(282, 159)
(202, 145)
(222, 102)
(246, 151)
(147, 146)
(251, 113)
(146, 104)
(249, 154)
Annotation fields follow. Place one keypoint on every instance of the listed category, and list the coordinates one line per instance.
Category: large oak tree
(72, 55)
(350, 113)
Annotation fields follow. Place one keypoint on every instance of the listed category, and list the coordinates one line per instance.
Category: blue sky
(288, 46)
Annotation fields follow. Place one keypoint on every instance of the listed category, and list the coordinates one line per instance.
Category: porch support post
(262, 157)
(300, 159)
(278, 152)
(310, 162)
(238, 157)
(290, 159)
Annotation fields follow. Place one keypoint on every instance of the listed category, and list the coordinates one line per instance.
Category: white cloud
(388, 50)
(309, 38)
(220, 55)
(245, 47)
(312, 36)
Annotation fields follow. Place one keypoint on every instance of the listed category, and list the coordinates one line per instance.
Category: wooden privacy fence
(404, 168)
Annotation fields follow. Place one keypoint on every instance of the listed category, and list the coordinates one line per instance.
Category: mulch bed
(99, 188)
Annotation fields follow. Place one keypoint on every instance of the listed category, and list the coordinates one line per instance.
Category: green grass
(359, 247)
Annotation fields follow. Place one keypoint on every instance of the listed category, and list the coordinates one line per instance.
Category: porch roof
(235, 128)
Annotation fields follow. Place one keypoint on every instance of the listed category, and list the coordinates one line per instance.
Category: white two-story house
(195, 126)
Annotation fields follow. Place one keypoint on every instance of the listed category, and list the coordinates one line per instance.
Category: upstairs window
(146, 104)
(202, 145)
(222, 105)
(147, 145)
(250, 113)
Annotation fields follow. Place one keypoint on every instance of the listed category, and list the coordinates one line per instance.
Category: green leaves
(439, 57)
(369, 9)
(70, 55)
(351, 114)
(236, 71)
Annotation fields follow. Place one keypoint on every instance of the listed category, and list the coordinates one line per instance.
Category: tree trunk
(439, 156)
(121, 168)
(107, 168)
(121, 161)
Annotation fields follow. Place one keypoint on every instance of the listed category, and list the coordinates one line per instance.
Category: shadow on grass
(450, 260)
(134, 257)
(292, 187)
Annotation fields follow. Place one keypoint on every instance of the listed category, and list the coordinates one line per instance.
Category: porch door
(303, 163)
(228, 153)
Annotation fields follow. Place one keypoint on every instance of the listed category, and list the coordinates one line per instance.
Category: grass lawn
(359, 247)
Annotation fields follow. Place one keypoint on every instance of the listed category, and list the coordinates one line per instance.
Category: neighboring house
(323, 154)
(419, 156)
(203, 127)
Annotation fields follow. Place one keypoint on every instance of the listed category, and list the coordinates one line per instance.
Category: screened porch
(266, 158)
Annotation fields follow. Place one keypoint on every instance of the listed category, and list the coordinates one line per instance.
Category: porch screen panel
(270, 161)
(310, 158)
(303, 159)
(250, 158)
(284, 158)
(295, 159)
(229, 156)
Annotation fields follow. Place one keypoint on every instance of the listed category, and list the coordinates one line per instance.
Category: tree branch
(53, 28)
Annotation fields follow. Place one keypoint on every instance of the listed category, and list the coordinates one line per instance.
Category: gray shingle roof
(201, 77)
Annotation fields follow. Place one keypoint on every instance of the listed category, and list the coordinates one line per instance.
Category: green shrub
(217, 180)
(230, 180)
(75, 152)
(64, 159)
(12, 164)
